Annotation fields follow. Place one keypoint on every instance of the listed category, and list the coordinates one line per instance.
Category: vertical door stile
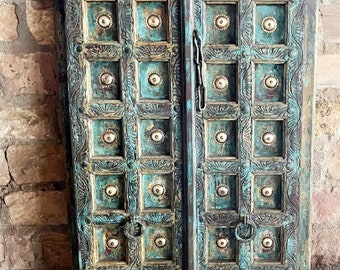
(189, 135)
(245, 132)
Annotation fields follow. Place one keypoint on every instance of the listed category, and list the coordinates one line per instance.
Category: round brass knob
(222, 22)
(221, 137)
(222, 242)
(112, 243)
(268, 138)
(269, 24)
(221, 83)
(160, 241)
(267, 191)
(222, 191)
(154, 21)
(109, 137)
(106, 78)
(155, 79)
(111, 190)
(158, 190)
(157, 136)
(267, 242)
(104, 21)
(271, 82)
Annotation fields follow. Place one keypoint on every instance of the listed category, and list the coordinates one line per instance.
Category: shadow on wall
(34, 230)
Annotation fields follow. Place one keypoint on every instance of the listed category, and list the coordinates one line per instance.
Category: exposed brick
(18, 252)
(4, 176)
(328, 70)
(30, 123)
(331, 26)
(326, 208)
(28, 74)
(56, 250)
(37, 208)
(40, 21)
(36, 163)
(8, 23)
(325, 246)
(334, 164)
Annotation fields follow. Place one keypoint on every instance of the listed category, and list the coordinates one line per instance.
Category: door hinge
(198, 59)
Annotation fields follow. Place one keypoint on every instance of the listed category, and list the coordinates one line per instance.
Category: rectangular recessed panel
(108, 192)
(109, 244)
(269, 83)
(152, 21)
(153, 80)
(221, 24)
(221, 139)
(102, 21)
(158, 244)
(222, 246)
(267, 244)
(157, 191)
(270, 24)
(267, 192)
(154, 137)
(268, 138)
(105, 80)
(221, 192)
(221, 81)
(107, 137)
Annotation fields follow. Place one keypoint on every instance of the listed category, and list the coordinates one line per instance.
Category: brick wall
(33, 178)
(326, 165)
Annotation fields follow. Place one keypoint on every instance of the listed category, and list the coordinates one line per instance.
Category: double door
(190, 133)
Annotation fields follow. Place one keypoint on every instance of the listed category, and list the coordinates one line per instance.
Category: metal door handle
(245, 231)
(198, 58)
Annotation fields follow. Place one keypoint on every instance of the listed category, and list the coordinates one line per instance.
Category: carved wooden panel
(190, 132)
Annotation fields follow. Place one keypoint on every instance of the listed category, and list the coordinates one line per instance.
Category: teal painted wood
(160, 184)
(267, 43)
(126, 101)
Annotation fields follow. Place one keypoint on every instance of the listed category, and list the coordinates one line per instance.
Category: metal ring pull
(245, 231)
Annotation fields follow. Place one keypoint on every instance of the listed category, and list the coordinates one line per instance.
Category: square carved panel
(101, 21)
(222, 82)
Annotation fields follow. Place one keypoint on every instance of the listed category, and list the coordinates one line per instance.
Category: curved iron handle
(245, 231)
(198, 59)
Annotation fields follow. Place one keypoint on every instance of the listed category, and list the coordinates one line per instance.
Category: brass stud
(271, 82)
(269, 24)
(222, 242)
(222, 22)
(268, 138)
(158, 190)
(107, 78)
(111, 190)
(160, 241)
(154, 21)
(267, 191)
(221, 83)
(221, 137)
(110, 137)
(112, 243)
(157, 136)
(222, 191)
(155, 79)
(104, 21)
(267, 242)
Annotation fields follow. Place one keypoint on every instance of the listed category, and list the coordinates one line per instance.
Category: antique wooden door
(191, 131)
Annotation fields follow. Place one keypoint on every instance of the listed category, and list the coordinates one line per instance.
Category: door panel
(248, 133)
(125, 104)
